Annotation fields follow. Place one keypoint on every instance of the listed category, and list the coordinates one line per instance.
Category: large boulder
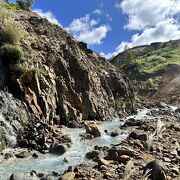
(92, 129)
(59, 149)
(154, 171)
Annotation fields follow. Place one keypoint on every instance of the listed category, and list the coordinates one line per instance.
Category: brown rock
(123, 159)
(68, 176)
(22, 154)
(92, 129)
(103, 162)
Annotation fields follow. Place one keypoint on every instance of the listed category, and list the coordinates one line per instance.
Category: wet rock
(22, 154)
(92, 129)
(65, 160)
(141, 137)
(92, 154)
(68, 176)
(177, 110)
(86, 136)
(34, 155)
(58, 149)
(114, 133)
(132, 122)
(156, 171)
(8, 155)
(54, 173)
(73, 124)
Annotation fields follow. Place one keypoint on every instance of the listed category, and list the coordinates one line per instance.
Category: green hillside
(145, 65)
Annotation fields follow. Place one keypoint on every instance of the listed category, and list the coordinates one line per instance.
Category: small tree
(25, 4)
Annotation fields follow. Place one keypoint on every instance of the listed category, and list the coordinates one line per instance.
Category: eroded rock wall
(63, 79)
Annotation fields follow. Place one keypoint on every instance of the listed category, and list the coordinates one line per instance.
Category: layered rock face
(62, 79)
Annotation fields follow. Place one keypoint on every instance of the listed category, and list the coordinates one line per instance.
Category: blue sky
(108, 26)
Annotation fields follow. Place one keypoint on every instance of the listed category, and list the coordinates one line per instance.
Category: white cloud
(95, 35)
(97, 11)
(88, 30)
(154, 21)
(48, 15)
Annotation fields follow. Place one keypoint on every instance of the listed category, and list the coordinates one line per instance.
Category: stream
(75, 154)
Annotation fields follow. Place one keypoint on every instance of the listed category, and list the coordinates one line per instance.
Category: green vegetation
(11, 53)
(18, 69)
(118, 104)
(51, 59)
(145, 65)
(10, 6)
(25, 4)
(150, 59)
(10, 34)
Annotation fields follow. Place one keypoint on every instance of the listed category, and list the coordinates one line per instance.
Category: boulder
(68, 176)
(92, 154)
(132, 122)
(156, 171)
(114, 133)
(22, 154)
(58, 149)
(92, 129)
(141, 137)
(112, 154)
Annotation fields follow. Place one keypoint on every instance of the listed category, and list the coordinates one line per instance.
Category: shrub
(11, 53)
(25, 4)
(18, 69)
(10, 34)
(51, 59)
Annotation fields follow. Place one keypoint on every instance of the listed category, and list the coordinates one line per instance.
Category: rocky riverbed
(154, 137)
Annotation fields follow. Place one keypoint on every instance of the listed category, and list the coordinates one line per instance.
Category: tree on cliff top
(25, 4)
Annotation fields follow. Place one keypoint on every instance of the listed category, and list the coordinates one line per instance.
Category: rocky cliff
(59, 78)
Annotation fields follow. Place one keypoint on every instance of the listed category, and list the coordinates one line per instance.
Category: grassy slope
(145, 65)
(149, 59)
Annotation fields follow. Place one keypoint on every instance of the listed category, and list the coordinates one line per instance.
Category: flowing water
(75, 155)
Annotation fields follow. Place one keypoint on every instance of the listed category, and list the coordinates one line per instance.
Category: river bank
(108, 157)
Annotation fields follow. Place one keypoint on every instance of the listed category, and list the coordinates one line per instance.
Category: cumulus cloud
(88, 30)
(154, 21)
(48, 15)
(142, 14)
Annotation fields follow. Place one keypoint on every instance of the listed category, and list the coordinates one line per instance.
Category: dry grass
(129, 169)
(159, 130)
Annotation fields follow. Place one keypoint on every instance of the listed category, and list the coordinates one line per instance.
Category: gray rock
(92, 129)
(58, 149)
(156, 171)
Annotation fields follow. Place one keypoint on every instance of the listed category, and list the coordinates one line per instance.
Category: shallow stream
(75, 155)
